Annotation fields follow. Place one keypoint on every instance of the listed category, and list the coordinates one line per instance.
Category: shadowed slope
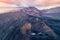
(11, 23)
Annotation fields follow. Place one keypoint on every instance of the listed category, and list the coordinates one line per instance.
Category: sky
(40, 4)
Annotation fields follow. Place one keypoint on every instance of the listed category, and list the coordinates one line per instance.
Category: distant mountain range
(52, 18)
(53, 13)
(52, 10)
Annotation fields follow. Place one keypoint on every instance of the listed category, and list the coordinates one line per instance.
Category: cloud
(7, 7)
(40, 4)
(2, 4)
(32, 2)
(46, 2)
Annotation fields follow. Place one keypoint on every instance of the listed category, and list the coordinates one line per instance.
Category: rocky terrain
(44, 21)
(11, 23)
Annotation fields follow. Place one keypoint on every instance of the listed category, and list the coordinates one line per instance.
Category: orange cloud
(6, 1)
(46, 2)
(50, 2)
(10, 1)
(4, 7)
(34, 2)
